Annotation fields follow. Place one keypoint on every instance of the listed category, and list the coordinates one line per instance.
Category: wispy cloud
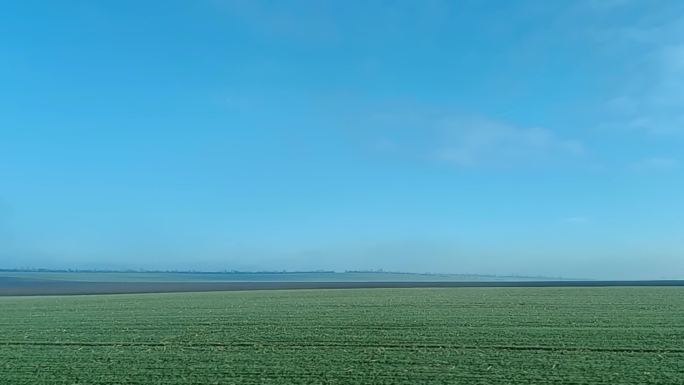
(652, 101)
(316, 21)
(655, 164)
(576, 219)
(464, 141)
(605, 5)
(306, 20)
(486, 142)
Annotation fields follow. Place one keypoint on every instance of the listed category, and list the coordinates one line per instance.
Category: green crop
(376, 336)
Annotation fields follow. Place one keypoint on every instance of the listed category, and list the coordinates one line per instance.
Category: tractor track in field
(272, 344)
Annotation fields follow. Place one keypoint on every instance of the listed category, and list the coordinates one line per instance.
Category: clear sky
(492, 137)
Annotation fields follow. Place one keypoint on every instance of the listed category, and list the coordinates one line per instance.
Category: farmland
(370, 336)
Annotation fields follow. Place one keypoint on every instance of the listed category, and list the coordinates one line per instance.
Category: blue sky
(491, 137)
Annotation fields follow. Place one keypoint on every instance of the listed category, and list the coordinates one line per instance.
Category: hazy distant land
(300, 276)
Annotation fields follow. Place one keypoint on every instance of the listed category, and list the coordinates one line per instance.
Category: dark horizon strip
(24, 287)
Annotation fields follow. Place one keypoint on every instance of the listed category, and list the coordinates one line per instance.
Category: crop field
(355, 336)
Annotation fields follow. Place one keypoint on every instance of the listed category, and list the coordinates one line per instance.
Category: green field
(378, 336)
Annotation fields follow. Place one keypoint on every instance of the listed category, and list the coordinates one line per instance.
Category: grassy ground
(248, 277)
(379, 336)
